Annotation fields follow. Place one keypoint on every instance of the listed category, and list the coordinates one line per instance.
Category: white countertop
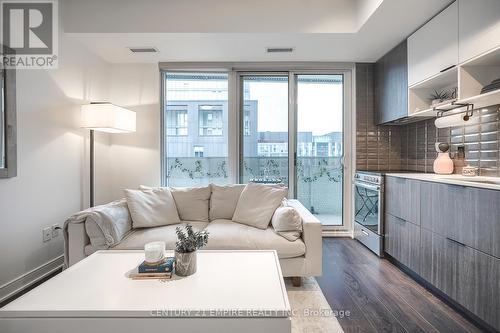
(492, 183)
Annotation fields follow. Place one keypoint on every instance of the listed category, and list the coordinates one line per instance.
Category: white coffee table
(232, 291)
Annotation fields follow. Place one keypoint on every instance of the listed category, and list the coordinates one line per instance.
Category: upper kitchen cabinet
(433, 48)
(391, 85)
(479, 27)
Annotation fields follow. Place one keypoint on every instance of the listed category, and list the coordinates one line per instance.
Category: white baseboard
(22, 282)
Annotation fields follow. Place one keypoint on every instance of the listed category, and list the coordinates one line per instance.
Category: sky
(319, 104)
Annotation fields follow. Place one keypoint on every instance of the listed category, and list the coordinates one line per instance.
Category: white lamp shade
(107, 117)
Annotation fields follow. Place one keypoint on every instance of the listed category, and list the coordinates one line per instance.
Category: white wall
(51, 181)
(135, 157)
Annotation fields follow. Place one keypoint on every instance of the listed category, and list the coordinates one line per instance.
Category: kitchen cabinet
(468, 276)
(465, 214)
(403, 199)
(478, 28)
(454, 243)
(433, 48)
(391, 85)
(402, 241)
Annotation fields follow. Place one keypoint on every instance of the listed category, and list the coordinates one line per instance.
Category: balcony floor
(329, 219)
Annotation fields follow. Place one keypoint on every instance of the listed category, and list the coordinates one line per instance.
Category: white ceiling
(240, 30)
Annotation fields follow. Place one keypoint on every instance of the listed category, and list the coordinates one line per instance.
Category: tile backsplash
(377, 147)
(411, 147)
(481, 138)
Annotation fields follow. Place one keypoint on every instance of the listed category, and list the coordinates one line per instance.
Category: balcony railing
(319, 179)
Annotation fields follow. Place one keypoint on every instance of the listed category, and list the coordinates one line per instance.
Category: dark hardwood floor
(379, 296)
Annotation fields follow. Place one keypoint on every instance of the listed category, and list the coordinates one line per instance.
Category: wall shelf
(482, 100)
(469, 78)
(419, 103)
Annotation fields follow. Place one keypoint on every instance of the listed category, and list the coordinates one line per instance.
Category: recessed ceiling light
(143, 49)
(279, 49)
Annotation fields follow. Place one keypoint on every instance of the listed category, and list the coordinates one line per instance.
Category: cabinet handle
(456, 242)
(447, 68)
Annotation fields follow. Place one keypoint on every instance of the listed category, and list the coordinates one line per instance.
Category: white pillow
(192, 202)
(151, 208)
(223, 201)
(287, 222)
(257, 204)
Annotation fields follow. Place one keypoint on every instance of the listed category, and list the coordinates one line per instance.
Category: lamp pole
(91, 187)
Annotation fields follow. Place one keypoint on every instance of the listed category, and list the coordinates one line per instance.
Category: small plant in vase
(439, 96)
(188, 242)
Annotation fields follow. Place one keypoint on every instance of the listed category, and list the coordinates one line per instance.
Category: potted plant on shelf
(188, 242)
(439, 96)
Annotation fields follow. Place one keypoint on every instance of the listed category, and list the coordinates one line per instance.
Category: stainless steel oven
(368, 210)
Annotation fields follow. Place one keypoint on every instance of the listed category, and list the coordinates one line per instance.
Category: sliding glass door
(258, 125)
(264, 128)
(320, 145)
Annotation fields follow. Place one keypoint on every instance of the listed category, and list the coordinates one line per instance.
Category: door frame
(348, 151)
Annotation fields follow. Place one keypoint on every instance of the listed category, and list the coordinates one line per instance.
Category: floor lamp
(108, 118)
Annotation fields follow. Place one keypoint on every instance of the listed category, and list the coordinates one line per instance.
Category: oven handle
(368, 186)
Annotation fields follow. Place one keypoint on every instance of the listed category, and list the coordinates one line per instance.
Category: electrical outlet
(55, 230)
(47, 234)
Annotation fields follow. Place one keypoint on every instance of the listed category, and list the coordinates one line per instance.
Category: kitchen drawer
(468, 276)
(402, 241)
(466, 214)
(402, 198)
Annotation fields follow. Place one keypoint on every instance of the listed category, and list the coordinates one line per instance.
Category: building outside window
(210, 120)
(177, 120)
(246, 120)
(198, 151)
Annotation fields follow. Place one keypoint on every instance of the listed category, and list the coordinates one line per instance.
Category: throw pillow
(151, 208)
(192, 202)
(257, 204)
(223, 201)
(287, 222)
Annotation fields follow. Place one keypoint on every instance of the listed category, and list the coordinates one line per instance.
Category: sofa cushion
(223, 200)
(228, 235)
(257, 204)
(151, 207)
(139, 237)
(192, 202)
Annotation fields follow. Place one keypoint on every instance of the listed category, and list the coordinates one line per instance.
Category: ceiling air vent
(143, 49)
(279, 49)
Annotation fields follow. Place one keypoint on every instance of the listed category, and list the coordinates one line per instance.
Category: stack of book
(160, 270)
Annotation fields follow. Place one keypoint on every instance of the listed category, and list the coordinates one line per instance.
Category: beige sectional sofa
(110, 227)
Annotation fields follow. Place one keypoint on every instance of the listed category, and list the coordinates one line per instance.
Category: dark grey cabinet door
(466, 214)
(402, 241)
(391, 85)
(402, 198)
(479, 284)
(442, 207)
(439, 262)
(468, 276)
